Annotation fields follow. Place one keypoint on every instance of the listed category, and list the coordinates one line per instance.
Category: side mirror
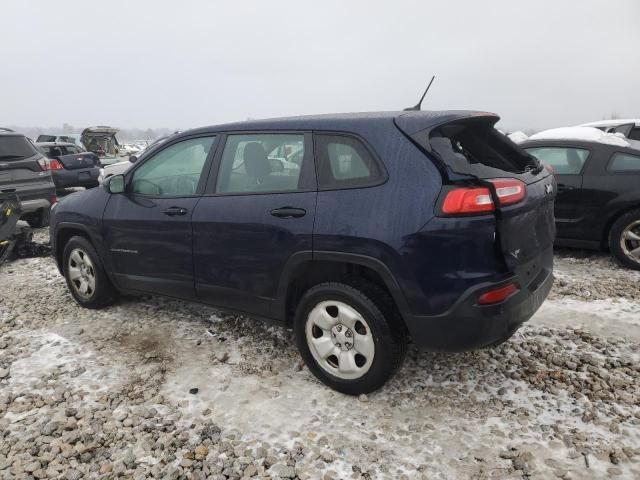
(133, 158)
(116, 184)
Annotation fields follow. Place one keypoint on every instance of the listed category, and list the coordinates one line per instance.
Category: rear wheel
(346, 340)
(85, 275)
(624, 239)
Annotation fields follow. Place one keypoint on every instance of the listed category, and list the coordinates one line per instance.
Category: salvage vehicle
(598, 202)
(24, 171)
(70, 165)
(103, 142)
(429, 226)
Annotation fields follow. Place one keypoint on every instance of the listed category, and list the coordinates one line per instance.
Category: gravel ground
(157, 388)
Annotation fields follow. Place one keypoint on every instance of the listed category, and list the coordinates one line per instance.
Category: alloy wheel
(630, 241)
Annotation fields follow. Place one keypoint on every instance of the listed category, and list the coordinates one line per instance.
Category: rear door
(257, 214)
(569, 164)
(147, 229)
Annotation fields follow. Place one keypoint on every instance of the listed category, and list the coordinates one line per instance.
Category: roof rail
(4, 129)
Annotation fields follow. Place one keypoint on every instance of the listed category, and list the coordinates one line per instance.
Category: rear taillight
(50, 164)
(55, 165)
(469, 200)
(498, 295)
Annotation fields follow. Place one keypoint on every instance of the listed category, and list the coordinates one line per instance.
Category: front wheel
(85, 275)
(624, 239)
(346, 340)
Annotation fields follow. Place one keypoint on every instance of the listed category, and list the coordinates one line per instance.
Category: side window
(261, 163)
(635, 133)
(344, 162)
(564, 160)
(624, 162)
(174, 170)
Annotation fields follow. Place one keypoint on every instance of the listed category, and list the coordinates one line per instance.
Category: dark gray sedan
(70, 165)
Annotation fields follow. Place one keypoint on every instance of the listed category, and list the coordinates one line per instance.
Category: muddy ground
(112, 393)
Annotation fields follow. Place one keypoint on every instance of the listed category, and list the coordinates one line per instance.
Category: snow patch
(589, 134)
(518, 137)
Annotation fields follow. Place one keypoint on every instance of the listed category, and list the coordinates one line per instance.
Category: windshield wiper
(11, 156)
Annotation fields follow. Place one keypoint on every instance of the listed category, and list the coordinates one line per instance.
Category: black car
(70, 165)
(598, 202)
(24, 172)
(428, 225)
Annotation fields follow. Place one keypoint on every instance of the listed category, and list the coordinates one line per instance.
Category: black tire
(618, 245)
(103, 294)
(39, 219)
(387, 331)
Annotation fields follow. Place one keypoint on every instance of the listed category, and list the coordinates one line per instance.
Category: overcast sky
(182, 64)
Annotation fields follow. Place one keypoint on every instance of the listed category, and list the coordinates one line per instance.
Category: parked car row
(36, 171)
(99, 140)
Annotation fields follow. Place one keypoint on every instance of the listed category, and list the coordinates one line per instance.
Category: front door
(147, 229)
(258, 212)
(568, 163)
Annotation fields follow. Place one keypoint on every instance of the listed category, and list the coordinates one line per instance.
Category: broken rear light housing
(473, 200)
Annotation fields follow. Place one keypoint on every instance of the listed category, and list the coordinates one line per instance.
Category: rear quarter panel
(431, 258)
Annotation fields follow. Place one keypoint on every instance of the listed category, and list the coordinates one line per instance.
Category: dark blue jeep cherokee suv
(359, 231)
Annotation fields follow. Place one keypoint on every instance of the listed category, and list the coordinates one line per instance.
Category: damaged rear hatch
(485, 173)
(103, 142)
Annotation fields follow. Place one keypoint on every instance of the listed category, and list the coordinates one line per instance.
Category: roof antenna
(417, 107)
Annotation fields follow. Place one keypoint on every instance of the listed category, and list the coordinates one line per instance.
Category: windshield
(15, 147)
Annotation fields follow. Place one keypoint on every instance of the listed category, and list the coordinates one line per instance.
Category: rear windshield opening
(471, 146)
(15, 148)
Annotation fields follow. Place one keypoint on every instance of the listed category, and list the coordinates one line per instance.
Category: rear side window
(261, 163)
(635, 134)
(564, 160)
(69, 150)
(623, 162)
(345, 162)
(15, 148)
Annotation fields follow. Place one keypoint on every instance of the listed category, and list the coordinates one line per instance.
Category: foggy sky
(183, 64)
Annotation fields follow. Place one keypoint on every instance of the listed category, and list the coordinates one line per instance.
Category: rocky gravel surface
(157, 388)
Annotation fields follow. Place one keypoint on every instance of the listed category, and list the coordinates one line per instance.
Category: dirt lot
(108, 394)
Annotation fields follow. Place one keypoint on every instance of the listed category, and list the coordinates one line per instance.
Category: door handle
(562, 187)
(288, 212)
(172, 211)
(4, 165)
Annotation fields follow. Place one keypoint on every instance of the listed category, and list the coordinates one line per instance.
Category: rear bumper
(28, 206)
(468, 326)
(82, 177)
